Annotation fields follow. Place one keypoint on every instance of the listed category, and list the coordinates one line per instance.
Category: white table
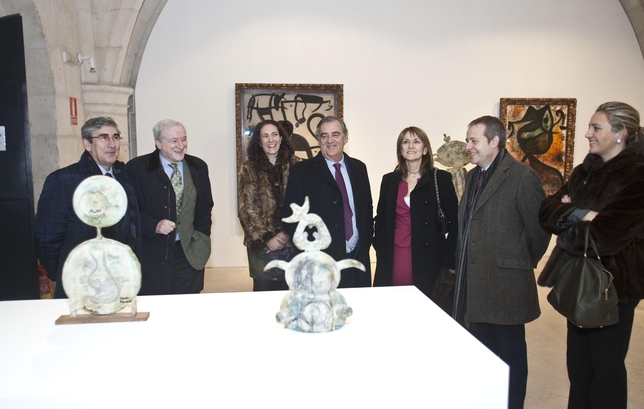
(226, 350)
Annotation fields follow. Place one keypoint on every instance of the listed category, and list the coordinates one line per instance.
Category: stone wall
(113, 33)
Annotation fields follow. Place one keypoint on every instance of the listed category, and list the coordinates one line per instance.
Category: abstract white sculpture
(101, 275)
(312, 304)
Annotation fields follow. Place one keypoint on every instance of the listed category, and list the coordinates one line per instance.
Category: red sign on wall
(73, 110)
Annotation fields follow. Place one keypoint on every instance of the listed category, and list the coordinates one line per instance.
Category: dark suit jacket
(313, 178)
(157, 201)
(429, 248)
(57, 229)
(504, 243)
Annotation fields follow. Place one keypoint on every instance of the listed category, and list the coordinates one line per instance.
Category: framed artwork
(304, 105)
(541, 133)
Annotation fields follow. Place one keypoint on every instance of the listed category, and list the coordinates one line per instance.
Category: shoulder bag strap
(438, 199)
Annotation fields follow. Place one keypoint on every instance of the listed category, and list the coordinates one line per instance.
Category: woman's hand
(275, 244)
(590, 216)
(284, 237)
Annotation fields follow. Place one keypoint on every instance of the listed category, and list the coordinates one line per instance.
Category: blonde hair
(622, 116)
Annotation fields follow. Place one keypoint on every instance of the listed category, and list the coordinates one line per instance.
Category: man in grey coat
(500, 243)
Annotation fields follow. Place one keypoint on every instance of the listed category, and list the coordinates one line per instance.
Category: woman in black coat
(606, 193)
(409, 245)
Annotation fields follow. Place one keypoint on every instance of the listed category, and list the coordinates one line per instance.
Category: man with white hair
(175, 201)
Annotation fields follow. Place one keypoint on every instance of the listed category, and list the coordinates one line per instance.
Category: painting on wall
(541, 134)
(304, 105)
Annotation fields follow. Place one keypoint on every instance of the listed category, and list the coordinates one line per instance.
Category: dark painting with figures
(303, 105)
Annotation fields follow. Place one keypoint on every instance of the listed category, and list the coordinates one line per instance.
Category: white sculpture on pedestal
(101, 275)
(312, 304)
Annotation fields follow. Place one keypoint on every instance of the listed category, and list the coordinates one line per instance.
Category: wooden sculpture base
(93, 318)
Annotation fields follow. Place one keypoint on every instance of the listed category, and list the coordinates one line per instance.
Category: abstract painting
(541, 134)
(304, 105)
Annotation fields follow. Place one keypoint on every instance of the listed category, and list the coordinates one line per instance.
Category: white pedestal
(226, 350)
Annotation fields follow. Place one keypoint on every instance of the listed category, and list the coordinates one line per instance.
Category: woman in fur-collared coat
(606, 192)
(261, 183)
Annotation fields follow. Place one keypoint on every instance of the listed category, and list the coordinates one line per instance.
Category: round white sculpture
(100, 201)
(101, 275)
(312, 304)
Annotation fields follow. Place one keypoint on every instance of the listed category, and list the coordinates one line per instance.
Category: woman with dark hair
(261, 183)
(409, 244)
(605, 193)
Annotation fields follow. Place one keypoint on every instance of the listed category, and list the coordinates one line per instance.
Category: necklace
(414, 175)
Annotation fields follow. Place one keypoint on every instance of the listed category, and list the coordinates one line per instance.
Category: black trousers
(349, 276)
(185, 279)
(595, 359)
(508, 343)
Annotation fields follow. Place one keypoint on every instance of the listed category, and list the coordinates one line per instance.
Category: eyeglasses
(105, 137)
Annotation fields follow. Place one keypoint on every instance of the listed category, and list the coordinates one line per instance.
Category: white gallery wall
(436, 64)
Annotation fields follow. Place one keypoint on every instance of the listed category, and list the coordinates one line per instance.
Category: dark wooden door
(18, 265)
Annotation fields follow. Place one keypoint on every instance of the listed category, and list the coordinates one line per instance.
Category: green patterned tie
(176, 185)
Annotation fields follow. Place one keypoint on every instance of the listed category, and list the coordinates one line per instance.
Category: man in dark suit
(57, 229)
(500, 242)
(175, 201)
(347, 212)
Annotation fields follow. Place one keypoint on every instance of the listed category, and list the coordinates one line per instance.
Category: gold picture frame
(304, 105)
(541, 133)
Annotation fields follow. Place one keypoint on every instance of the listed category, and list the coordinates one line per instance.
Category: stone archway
(635, 11)
(114, 34)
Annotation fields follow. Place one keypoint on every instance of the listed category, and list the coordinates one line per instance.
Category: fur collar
(632, 153)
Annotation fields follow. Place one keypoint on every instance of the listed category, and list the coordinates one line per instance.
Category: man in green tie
(175, 200)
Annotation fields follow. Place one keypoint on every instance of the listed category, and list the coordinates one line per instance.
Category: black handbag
(442, 222)
(443, 290)
(584, 292)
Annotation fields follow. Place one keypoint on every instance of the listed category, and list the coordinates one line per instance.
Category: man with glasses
(57, 229)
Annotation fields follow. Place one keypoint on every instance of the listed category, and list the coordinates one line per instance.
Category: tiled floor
(546, 338)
